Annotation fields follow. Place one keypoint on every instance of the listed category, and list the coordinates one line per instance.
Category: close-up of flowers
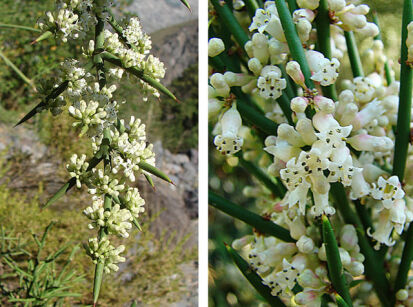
(304, 101)
(109, 48)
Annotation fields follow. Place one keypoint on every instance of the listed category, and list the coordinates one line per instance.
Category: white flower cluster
(100, 250)
(346, 15)
(91, 103)
(70, 20)
(283, 265)
(138, 57)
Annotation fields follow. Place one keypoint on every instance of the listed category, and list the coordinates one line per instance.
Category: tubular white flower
(228, 142)
(324, 71)
(366, 142)
(270, 83)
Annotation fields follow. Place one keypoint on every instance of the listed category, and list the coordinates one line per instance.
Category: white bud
(402, 295)
(215, 47)
(305, 245)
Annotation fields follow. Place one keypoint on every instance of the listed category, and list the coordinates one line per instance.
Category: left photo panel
(99, 153)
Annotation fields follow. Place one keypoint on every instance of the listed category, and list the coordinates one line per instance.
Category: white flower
(324, 71)
(363, 89)
(215, 47)
(267, 20)
(228, 142)
(270, 83)
(387, 190)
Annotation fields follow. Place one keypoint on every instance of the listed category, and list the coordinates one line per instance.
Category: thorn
(33, 42)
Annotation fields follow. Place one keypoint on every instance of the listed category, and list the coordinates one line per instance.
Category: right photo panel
(310, 165)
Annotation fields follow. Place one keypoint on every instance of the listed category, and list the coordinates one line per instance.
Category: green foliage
(39, 282)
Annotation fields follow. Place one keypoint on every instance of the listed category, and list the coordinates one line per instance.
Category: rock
(156, 15)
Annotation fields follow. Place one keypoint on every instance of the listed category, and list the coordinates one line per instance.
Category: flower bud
(305, 245)
(255, 66)
(355, 268)
(215, 47)
(299, 104)
(402, 295)
(294, 71)
(221, 87)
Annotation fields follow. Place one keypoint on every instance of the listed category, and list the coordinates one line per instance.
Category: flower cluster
(89, 99)
(313, 140)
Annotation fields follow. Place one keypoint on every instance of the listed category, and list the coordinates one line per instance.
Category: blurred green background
(227, 286)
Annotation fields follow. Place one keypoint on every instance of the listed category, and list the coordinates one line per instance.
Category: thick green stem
(229, 21)
(292, 5)
(373, 264)
(335, 267)
(293, 41)
(324, 42)
(252, 6)
(97, 58)
(353, 54)
(258, 222)
(402, 138)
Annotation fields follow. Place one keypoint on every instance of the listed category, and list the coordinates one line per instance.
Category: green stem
(292, 5)
(324, 42)
(258, 222)
(335, 267)
(405, 101)
(353, 55)
(140, 73)
(284, 103)
(402, 139)
(293, 41)
(5, 25)
(17, 71)
(252, 6)
(230, 22)
(374, 266)
(97, 58)
(254, 278)
(260, 175)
